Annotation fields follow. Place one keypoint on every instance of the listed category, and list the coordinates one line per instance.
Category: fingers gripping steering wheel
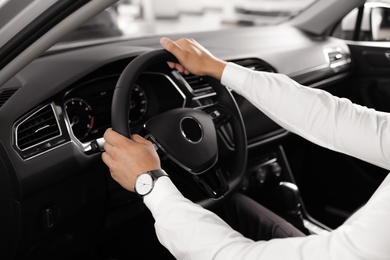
(186, 136)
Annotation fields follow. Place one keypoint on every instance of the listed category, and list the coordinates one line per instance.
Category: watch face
(143, 184)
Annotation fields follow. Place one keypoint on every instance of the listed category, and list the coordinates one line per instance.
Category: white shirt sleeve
(191, 232)
(314, 114)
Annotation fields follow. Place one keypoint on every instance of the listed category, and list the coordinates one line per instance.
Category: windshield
(131, 18)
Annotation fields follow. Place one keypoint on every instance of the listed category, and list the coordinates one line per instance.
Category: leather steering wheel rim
(121, 108)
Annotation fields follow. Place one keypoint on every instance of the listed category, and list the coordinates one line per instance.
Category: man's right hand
(127, 158)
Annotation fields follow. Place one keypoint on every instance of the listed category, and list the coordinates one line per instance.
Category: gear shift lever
(289, 193)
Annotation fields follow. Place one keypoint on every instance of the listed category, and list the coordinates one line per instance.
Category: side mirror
(380, 23)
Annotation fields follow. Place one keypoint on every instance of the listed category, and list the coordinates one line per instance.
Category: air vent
(198, 85)
(6, 94)
(38, 128)
(255, 64)
(203, 93)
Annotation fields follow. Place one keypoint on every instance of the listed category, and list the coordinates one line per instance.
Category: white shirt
(191, 232)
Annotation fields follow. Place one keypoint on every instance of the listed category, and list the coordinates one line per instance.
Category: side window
(370, 22)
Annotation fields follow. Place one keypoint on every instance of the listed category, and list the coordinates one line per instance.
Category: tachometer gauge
(80, 117)
(138, 105)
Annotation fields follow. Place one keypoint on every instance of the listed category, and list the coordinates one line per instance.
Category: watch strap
(157, 173)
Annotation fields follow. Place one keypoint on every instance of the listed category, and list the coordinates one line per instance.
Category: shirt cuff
(233, 76)
(163, 187)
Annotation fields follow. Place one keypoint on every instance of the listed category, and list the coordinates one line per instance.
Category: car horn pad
(188, 137)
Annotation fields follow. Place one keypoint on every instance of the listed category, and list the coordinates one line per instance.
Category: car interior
(58, 96)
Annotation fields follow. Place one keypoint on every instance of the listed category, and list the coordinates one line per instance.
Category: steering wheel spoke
(213, 183)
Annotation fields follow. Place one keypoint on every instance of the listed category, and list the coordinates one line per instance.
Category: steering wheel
(189, 138)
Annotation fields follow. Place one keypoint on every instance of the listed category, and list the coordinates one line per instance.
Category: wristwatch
(145, 181)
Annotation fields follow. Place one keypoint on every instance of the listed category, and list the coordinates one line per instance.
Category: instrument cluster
(88, 106)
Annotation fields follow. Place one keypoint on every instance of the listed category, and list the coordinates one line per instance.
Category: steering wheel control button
(219, 115)
(215, 114)
(191, 130)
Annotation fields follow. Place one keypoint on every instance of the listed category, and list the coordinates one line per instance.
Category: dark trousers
(255, 221)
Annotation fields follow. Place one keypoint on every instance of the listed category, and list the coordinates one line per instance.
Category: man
(191, 232)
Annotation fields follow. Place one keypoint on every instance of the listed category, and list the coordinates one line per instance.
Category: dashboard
(78, 83)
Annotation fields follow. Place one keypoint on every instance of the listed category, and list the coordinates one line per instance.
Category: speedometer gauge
(138, 105)
(80, 117)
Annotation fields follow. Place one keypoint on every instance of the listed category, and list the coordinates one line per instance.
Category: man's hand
(193, 58)
(127, 158)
